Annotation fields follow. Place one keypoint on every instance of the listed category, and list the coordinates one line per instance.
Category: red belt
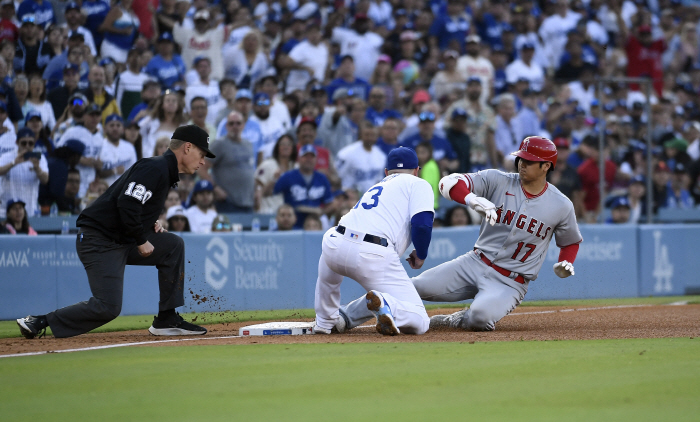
(520, 279)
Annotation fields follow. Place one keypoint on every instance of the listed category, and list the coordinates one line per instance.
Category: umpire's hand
(414, 261)
(158, 228)
(146, 249)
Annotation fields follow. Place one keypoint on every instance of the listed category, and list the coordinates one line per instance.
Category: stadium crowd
(303, 100)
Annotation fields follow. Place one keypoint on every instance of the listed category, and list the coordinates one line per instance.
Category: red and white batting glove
(564, 269)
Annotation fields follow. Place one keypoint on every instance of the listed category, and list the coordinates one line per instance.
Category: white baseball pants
(468, 277)
(375, 267)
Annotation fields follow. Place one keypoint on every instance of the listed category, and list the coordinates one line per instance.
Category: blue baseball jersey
(43, 13)
(298, 193)
(166, 72)
(446, 29)
(441, 146)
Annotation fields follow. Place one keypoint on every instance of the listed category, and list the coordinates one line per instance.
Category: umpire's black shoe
(175, 326)
(31, 326)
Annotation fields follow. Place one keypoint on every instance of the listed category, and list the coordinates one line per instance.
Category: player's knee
(109, 311)
(479, 320)
(179, 243)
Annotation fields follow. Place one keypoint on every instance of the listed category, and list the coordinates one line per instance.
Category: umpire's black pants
(104, 262)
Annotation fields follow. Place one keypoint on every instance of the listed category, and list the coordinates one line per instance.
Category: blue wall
(246, 271)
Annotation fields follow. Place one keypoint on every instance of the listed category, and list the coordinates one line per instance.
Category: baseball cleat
(447, 321)
(175, 326)
(385, 320)
(31, 326)
(318, 330)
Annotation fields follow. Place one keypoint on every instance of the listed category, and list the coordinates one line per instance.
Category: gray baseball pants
(468, 277)
(104, 262)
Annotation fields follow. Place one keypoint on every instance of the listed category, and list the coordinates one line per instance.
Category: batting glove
(564, 269)
(483, 206)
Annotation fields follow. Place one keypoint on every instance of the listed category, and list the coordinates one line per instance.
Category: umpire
(120, 228)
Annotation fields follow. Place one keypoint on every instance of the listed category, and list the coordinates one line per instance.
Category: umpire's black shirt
(130, 207)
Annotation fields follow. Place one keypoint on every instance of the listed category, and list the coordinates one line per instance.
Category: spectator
(448, 81)
(28, 57)
(203, 40)
(64, 184)
(117, 155)
(74, 112)
(177, 219)
(198, 114)
(458, 138)
(95, 11)
(203, 86)
(36, 100)
(221, 224)
(525, 67)
(8, 29)
(120, 28)
(345, 77)
(643, 54)
(377, 112)
(361, 164)
(442, 150)
(167, 16)
(362, 45)
(96, 93)
(307, 61)
(150, 93)
(23, 171)
(73, 24)
(429, 169)
(589, 173)
(306, 135)
(226, 103)
(201, 212)
(457, 216)
(278, 108)
(32, 120)
(233, 170)
(620, 211)
(285, 218)
(677, 193)
(508, 133)
(637, 199)
(474, 64)
(129, 83)
(243, 104)
(168, 114)
(58, 97)
(270, 129)
(529, 116)
(16, 221)
(335, 129)
(390, 133)
(132, 135)
(554, 28)
(312, 197)
(284, 156)
(565, 177)
(450, 27)
(312, 223)
(166, 67)
(96, 189)
(42, 11)
(480, 125)
(245, 63)
(161, 146)
(87, 132)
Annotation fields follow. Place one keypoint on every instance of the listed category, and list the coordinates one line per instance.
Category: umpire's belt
(519, 277)
(368, 237)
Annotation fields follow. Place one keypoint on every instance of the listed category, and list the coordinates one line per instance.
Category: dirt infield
(525, 323)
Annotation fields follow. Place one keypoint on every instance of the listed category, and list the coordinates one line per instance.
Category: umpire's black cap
(195, 135)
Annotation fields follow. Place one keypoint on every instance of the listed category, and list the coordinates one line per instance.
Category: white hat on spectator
(175, 210)
(201, 14)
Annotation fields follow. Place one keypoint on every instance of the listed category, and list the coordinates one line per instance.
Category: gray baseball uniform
(516, 244)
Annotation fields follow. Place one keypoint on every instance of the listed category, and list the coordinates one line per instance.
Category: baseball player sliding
(521, 213)
(367, 245)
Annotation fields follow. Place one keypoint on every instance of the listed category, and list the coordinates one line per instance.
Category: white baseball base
(278, 329)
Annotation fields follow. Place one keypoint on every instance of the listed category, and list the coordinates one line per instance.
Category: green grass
(607, 380)
(9, 329)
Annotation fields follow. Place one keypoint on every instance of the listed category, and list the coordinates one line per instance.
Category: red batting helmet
(537, 148)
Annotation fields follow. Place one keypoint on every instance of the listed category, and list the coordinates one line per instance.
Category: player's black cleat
(31, 326)
(175, 326)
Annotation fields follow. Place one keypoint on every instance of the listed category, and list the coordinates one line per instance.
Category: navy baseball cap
(202, 186)
(72, 6)
(307, 149)
(244, 93)
(71, 67)
(25, 132)
(459, 112)
(166, 36)
(106, 61)
(198, 59)
(402, 158)
(261, 99)
(31, 114)
(75, 145)
(93, 109)
(112, 117)
(620, 201)
(14, 201)
(638, 179)
(474, 79)
(196, 136)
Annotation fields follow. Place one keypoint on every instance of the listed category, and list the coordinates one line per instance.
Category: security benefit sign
(669, 263)
(606, 266)
(241, 271)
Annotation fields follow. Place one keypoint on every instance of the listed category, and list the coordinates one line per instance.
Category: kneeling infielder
(521, 213)
(367, 245)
